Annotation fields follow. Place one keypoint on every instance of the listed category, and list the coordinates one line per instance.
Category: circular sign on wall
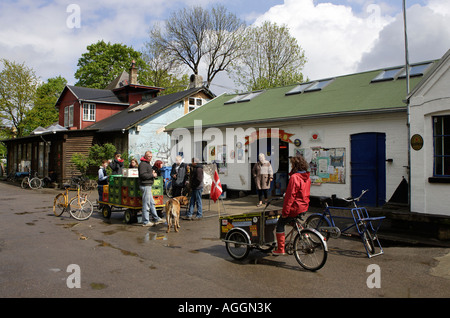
(416, 142)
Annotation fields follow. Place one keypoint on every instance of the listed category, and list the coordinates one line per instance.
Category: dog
(172, 209)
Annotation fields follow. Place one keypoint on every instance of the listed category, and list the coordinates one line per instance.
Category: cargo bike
(122, 194)
(256, 230)
(358, 217)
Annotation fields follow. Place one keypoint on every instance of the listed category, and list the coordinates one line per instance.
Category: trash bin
(165, 172)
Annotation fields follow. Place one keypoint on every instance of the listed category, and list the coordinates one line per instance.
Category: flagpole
(408, 124)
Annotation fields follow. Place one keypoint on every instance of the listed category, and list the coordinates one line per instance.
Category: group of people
(147, 175)
(296, 198)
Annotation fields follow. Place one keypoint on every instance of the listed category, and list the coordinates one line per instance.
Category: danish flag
(216, 188)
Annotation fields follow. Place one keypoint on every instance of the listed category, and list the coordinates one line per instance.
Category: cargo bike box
(258, 226)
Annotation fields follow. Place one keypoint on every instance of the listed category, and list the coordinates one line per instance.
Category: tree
(273, 58)
(104, 62)
(44, 112)
(162, 70)
(192, 35)
(18, 85)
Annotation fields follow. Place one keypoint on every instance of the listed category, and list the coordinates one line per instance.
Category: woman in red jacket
(296, 198)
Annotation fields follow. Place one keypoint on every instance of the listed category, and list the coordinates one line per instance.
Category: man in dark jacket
(196, 184)
(146, 177)
(179, 176)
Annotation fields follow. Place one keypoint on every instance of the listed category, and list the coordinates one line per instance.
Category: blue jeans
(148, 204)
(196, 198)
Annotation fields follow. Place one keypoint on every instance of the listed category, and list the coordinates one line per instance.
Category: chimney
(133, 73)
(195, 81)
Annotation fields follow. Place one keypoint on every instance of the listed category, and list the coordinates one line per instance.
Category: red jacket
(296, 199)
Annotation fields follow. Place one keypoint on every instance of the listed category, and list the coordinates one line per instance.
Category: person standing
(102, 179)
(296, 199)
(263, 174)
(196, 184)
(146, 178)
(116, 164)
(178, 175)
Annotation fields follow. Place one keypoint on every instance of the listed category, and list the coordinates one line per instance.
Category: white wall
(431, 99)
(335, 133)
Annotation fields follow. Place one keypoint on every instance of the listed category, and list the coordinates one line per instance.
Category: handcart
(366, 226)
(123, 195)
(244, 232)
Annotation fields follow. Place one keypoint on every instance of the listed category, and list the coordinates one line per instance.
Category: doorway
(368, 167)
(279, 158)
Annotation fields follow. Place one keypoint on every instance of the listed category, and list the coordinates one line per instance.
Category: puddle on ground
(98, 286)
(124, 252)
(151, 236)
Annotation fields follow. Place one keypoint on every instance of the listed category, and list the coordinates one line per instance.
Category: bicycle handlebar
(354, 199)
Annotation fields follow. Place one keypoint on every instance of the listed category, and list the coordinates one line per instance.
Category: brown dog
(172, 209)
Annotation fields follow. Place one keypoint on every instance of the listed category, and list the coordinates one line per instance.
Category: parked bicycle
(85, 183)
(32, 181)
(243, 232)
(79, 207)
(325, 223)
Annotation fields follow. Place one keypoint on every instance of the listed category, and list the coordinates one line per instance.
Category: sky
(339, 37)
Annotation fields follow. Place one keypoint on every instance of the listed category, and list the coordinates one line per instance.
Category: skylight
(299, 89)
(243, 97)
(416, 70)
(309, 87)
(387, 75)
(317, 86)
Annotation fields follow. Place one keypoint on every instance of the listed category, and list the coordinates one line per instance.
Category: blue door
(368, 167)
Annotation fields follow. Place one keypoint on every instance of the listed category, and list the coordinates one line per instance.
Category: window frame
(444, 137)
(89, 112)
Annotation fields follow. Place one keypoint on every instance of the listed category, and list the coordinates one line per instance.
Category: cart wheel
(106, 211)
(239, 246)
(130, 216)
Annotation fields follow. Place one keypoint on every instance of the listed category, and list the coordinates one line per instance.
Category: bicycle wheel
(25, 183)
(367, 239)
(59, 204)
(35, 183)
(238, 247)
(82, 209)
(310, 250)
(317, 221)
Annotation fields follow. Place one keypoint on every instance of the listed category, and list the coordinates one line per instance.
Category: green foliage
(273, 58)
(18, 85)
(104, 62)
(44, 112)
(97, 154)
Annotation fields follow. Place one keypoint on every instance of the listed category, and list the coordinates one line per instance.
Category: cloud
(338, 40)
(428, 37)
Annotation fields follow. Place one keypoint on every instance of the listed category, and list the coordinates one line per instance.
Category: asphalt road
(42, 255)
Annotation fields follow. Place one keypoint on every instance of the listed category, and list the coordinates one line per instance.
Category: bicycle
(325, 223)
(32, 181)
(79, 207)
(306, 244)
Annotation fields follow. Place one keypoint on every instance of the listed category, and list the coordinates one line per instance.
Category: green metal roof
(350, 94)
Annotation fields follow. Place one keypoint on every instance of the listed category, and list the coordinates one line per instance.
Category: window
(441, 143)
(68, 116)
(387, 75)
(415, 70)
(88, 112)
(194, 103)
(243, 97)
(317, 86)
(299, 89)
(309, 87)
